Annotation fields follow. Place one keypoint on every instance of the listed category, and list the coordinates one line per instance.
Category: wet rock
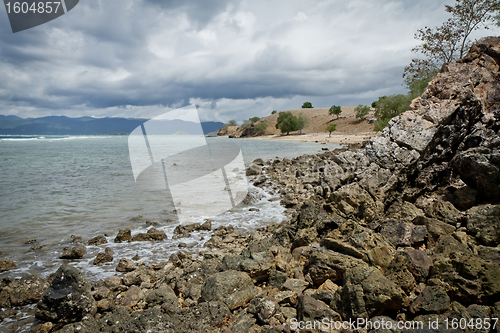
(6, 265)
(42, 328)
(103, 257)
(183, 229)
(206, 226)
(68, 298)
(253, 170)
(98, 240)
(24, 291)
(233, 288)
(76, 239)
(123, 236)
(125, 265)
(433, 299)
(484, 222)
(152, 234)
(75, 252)
(310, 309)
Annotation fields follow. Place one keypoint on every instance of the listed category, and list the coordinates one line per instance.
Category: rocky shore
(404, 229)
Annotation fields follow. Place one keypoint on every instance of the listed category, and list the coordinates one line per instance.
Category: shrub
(307, 105)
(274, 112)
(254, 119)
(302, 122)
(361, 110)
(337, 110)
(232, 123)
(287, 122)
(331, 128)
(388, 107)
(260, 127)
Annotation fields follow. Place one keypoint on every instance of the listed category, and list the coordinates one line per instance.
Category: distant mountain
(61, 125)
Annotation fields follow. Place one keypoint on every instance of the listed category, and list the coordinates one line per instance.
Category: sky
(233, 59)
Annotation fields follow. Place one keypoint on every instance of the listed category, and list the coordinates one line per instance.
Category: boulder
(432, 299)
(123, 236)
(103, 257)
(277, 278)
(295, 285)
(98, 240)
(163, 295)
(253, 170)
(484, 222)
(403, 233)
(152, 234)
(310, 309)
(132, 296)
(24, 291)
(233, 288)
(125, 265)
(75, 252)
(67, 299)
(328, 265)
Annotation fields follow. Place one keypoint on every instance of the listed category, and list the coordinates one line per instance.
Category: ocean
(53, 187)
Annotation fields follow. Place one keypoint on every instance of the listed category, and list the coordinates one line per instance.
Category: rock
(419, 265)
(342, 247)
(125, 265)
(76, 239)
(101, 293)
(435, 229)
(433, 299)
(42, 328)
(102, 257)
(295, 285)
(98, 240)
(403, 233)
(68, 298)
(132, 296)
(24, 291)
(380, 256)
(75, 252)
(484, 222)
(329, 286)
(398, 272)
(163, 295)
(253, 170)
(444, 211)
(206, 226)
(465, 197)
(277, 278)
(258, 161)
(304, 237)
(136, 277)
(330, 266)
(233, 288)
(151, 235)
(112, 282)
(266, 308)
(123, 236)
(257, 264)
(6, 265)
(182, 229)
(310, 309)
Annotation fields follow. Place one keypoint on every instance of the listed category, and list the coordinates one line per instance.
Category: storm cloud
(234, 59)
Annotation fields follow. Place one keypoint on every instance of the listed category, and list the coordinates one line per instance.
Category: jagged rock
(68, 298)
(123, 236)
(484, 223)
(419, 265)
(132, 296)
(163, 295)
(465, 197)
(330, 266)
(435, 229)
(265, 309)
(253, 170)
(295, 285)
(102, 257)
(398, 272)
(24, 291)
(6, 265)
(432, 299)
(125, 265)
(112, 282)
(444, 211)
(310, 309)
(151, 235)
(75, 252)
(403, 233)
(98, 240)
(342, 247)
(277, 278)
(257, 264)
(233, 288)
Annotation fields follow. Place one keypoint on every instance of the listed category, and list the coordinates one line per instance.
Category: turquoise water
(54, 187)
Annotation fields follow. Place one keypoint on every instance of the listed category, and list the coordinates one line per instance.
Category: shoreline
(316, 137)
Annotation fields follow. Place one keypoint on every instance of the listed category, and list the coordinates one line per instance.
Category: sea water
(52, 187)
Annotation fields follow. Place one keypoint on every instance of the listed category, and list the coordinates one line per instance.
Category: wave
(49, 138)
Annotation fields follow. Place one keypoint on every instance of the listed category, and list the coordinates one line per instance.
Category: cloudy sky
(234, 59)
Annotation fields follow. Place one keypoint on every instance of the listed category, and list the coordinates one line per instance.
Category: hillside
(319, 119)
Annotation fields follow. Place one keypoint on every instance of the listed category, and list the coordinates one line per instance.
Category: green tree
(337, 110)
(260, 127)
(302, 122)
(307, 105)
(274, 112)
(331, 128)
(361, 110)
(450, 41)
(254, 119)
(287, 122)
(232, 123)
(388, 107)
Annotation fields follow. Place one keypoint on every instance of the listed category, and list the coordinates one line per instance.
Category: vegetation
(337, 110)
(287, 122)
(274, 112)
(260, 127)
(331, 128)
(307, 105)
(388, 107)
(254, 119)
(361, 110)
(232, 123)
(302, 122)
(450, 41)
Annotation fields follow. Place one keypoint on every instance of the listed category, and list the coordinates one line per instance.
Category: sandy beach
(319, 137)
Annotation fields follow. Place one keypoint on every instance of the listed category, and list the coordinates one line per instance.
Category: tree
(450, 41)
(287, 122)
(335, 110)
(388, 107)
(361, 110)
(260, 127)
(302, 122)
(274, 112)
(232, 123)
(331, 128)
(307, 105)
(246, 124)
(254, 119)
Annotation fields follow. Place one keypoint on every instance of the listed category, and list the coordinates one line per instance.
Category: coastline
(317, 137)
